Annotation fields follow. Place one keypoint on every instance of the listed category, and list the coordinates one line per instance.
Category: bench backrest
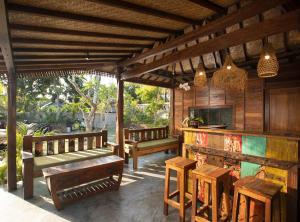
(146, 134)
(63, 143)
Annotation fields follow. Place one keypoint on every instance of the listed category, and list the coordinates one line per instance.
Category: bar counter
(235, 143)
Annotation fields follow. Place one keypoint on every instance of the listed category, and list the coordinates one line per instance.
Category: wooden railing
(146, 134)
(63, 143)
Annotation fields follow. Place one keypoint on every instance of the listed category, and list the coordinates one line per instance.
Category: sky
(108, 80)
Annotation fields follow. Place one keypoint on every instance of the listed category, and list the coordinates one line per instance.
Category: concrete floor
(140, 198)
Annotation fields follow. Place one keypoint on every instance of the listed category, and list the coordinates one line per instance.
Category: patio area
(140, 198)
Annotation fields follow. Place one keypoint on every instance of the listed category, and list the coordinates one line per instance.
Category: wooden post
(7, 53)
(120, 115)
(171, 118)
(11, 132)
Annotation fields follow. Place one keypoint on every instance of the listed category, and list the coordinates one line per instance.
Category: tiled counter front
(255, 144)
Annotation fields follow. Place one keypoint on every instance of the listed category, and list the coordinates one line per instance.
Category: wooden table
(71, 182)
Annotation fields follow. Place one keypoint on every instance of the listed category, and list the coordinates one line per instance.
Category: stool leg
(268, 210)
(178, 186)
(226, 197)
(247, 208)
(214, 198)
(182, 197)
(194, 197)
(166, 194)
(235, 207)
(207, 192)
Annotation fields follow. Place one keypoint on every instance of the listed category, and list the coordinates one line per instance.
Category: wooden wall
(248, 105)
(271, 104)
(284, 110)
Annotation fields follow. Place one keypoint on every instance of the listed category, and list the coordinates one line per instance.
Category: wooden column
(7, 53)
(172, 101)
(120, 117)
(11, 132)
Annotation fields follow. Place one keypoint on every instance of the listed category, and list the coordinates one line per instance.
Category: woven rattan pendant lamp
(229, 76)
(268, 64)
(200, 79)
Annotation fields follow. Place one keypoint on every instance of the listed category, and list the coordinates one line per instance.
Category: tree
(88, 99)
(144, 105)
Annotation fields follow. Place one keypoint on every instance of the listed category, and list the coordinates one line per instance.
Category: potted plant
(195, 122)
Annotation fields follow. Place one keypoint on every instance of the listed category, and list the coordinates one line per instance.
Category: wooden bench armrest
(115, 147)
(27, 156)
(177, 136)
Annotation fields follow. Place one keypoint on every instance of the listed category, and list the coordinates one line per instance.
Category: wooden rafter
(110, 51)
(5, 41)
(145, 10)
(85, 18)
(57, 67)
(77, 43)
(260, 30)
(40, 63)
(252, 9)
(210, 5)
(150, 82)
(60, 57)
(79, 33)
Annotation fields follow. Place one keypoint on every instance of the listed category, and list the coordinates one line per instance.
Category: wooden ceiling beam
(211, 6)
(150, 82)
(77, 43)
(5, 40)
(260, 30)
(58, 57)
(111, 51)
(248, 11)
(86, 19)
(40, 63)
(145, 10)
(31, 28)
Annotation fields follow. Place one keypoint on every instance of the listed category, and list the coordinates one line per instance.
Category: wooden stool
(181, 166)
(212, 177)
(257, 189)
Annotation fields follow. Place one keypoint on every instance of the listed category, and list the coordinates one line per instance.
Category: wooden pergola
(157, 43)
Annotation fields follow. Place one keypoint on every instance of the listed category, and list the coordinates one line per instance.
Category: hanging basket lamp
(268, 64)
(200, 79)
(229, 76)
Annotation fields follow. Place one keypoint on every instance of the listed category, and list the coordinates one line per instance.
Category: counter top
(246, 133)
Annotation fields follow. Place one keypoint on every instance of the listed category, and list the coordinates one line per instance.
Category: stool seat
(181, 162)
(213, 177)
(210, 171)
(252, 188)
(258, 186)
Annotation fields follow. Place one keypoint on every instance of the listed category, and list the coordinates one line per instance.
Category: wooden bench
(140, 142)
(40, 152)
(75, 181)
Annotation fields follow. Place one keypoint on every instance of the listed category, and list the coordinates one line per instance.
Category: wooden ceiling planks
(85, 18)
(251, 10)
(210, 5)
(146, 10)
(268, 27)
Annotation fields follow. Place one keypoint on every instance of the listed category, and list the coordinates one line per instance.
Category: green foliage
(144, 105)
(3, 101)
(22, 130)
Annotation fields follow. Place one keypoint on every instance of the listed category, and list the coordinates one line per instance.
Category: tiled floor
(140, 198)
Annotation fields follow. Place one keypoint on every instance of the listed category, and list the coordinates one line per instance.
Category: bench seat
(141, 142)
(153, 143)
(42, 162)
